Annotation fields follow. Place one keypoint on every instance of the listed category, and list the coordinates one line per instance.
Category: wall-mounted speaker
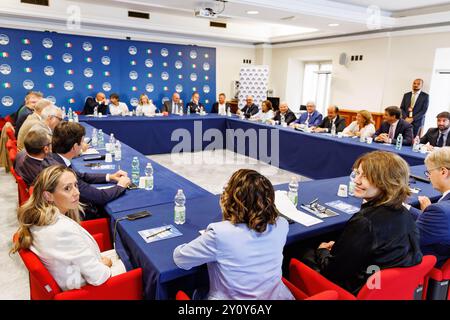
(343, 59)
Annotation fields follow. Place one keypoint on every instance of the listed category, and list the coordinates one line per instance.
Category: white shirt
(222, 109)
(264, 116)
(121, 109)
(366, 131)
(147, 109)
(242, 263)
(69, 253)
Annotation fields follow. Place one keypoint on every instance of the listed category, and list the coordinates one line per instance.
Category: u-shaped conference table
(317, 156)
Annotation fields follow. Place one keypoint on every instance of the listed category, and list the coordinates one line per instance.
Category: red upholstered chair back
(397, 283)
(24, 193)
(42, 285)
(10, 133)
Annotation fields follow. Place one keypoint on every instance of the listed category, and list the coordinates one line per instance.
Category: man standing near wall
(414, 106)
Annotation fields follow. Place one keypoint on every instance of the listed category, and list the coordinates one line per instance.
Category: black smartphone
(87, 140)
(138, 215)
(96, 157)
(93, 164)
(132, 186)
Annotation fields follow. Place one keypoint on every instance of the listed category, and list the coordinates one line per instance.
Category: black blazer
(167, 106)
(375, 236)
(289, 116)
(28, 168)
(91, 103)
(339, 123)
(215, 107)
(250, 111)
(432, 136)
(420, 108)
(403, 127)
(89, 195)
(194, 107)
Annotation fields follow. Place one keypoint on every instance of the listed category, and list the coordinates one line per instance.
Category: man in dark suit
(38, 143)
(30, 101)
(220, 106)
(433, 219)
(392, 126)
(414, 106)
(285, 112)
(67, 144)
(249, 109)
(438, 137)
(100, 102)
(195, 105)
(331, 118)
(173, 106)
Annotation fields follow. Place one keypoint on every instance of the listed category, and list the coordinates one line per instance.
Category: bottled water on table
(188, 111)
(149, 177)
(293, 191)
(282, 119)
(118, 151)
(135, 171)
(95, 111)
(63, 109)
(69, 114)
(100, 139)
(416, 145)
(351, 183)
(94, 141)
(180, 209)
(333, 129)
(112, 142)
(75, 117)
(399, 143)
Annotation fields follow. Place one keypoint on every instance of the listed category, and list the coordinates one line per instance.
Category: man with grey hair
(51, 117)
(285, 114)
(250, 109)
(173, 106)
(311, 117)
(31, 120)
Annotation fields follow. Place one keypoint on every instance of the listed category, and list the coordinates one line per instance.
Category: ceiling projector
(205, 13)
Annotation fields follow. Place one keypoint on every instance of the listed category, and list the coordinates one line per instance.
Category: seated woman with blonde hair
(49, 227)
(145, 106)
(362, 126)
(244, 252)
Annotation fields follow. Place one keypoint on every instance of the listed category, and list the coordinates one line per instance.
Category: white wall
(388, 68)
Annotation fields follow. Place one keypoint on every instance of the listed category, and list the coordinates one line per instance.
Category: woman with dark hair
(244, 252)
(382, 234)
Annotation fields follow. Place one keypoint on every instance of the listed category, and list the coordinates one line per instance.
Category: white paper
(90, 151)
(105, 187)
(287, 208)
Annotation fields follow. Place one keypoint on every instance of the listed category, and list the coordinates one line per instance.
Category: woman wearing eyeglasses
(382, 234)
(433, 220)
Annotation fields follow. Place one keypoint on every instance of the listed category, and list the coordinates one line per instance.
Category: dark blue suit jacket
(314, 120)
(250, 111)
(420, 108)
(88, 193)
(434, 227)
(403, 127)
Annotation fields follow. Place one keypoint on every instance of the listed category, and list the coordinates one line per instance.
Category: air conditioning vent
(36, 2)
(216, 24)
(140, 15)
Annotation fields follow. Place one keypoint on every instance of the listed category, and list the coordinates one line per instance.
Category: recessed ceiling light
(252, 12)
(333, 25)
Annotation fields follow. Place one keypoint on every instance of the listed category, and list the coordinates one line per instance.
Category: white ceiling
(309, 19)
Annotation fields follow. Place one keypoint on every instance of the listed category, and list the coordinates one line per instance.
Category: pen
(156, 233)
(314, 201)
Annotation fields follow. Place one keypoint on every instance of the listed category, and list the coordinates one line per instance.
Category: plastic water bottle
(416, 145)
(399, 143)
(75, 117)
(333, 129)
(149, 175)
(181, 111)
(101, 139)
(63, 109)
(351, 183)
(135, 171)
(180, 209)
(112, 142)
(293, 191)
(188, 111)
(69, 114)
(94, 138)
(228, 112)
(118, 151)
(282, 119)
(95, 111)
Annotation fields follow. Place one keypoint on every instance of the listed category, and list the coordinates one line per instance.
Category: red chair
(10, 133)
(395, 283)
(126, 286)
(297, 293)
(24, 192)
(438, 284)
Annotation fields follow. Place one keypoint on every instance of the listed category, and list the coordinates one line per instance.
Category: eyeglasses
(428, 172)
(59, 118)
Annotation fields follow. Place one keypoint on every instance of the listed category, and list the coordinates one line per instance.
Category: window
(316, 84)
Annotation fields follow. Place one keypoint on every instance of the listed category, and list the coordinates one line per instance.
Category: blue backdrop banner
(68, 68)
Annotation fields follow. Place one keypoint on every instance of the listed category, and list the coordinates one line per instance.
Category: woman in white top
(244, 252)
(145, 106)
(362, 127)
(49, 226)
(266, 113)
(116, 107)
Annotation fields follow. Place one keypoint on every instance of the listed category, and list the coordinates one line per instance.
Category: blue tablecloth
(162, 278)
(152, 135)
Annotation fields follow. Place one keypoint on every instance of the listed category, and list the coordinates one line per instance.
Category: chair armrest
(326, 295)
(312, 282)
(98, 237)
(125, 286)
(181, 295)
(296, 292)
(446, 270)
(99, 226)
